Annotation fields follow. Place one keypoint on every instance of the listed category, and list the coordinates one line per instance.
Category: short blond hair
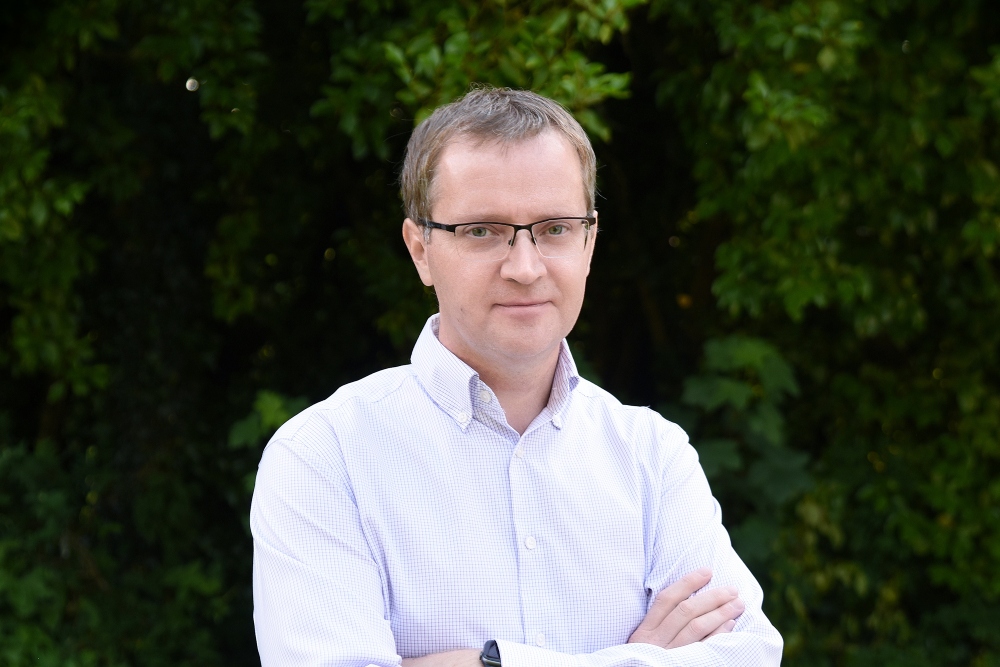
(489, 114)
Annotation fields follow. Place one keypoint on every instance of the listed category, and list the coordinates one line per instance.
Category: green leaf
(718, 455)
(711, 393)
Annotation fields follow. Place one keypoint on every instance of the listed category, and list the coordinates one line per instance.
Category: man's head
(511, 158)
(487, 115)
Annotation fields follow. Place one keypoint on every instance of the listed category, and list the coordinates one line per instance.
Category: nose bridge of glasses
(523, 259)
(513, 234)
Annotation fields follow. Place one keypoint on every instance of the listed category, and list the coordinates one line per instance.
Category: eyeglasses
(492, 241)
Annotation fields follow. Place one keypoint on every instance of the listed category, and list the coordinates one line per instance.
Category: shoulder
(315, 435)
(636, 423)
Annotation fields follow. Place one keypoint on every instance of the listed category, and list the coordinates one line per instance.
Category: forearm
(463, 658)
(681, 628)
(726, 650)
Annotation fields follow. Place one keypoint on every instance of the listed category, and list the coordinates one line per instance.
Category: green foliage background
(800, 220)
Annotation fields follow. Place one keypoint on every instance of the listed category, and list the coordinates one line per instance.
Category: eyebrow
(490, 217)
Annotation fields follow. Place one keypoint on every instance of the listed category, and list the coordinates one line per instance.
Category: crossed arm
(308, 535)
(676, 618)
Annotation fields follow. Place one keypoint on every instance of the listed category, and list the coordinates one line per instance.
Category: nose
(523, 263)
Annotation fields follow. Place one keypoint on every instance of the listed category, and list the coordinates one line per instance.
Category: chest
(541, 540)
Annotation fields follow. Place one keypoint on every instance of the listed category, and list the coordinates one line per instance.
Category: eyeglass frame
(590, 221)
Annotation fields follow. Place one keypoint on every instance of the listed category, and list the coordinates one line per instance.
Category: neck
(523, 392)
(522, 384)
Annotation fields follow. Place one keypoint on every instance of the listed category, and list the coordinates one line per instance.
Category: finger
(724, 628)
(706, 624)
(689, 611)
(668, 599)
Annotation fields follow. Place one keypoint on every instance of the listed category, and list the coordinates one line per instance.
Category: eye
(557, 228)
(478, 232)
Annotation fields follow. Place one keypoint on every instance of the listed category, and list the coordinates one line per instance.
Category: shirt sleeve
(688, 535)
(307, 534)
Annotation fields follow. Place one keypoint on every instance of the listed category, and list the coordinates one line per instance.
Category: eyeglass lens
(563, 237)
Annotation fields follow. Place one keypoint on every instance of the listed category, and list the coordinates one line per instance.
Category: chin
(527, 344)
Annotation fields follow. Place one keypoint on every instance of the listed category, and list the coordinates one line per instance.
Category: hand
(462, 658)
(677, 618)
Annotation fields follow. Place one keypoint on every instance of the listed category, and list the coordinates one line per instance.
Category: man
(486, 505)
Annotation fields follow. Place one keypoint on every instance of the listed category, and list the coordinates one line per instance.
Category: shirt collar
(452, 383)
(563, 384)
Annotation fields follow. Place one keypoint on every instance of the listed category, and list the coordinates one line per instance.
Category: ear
(593, 241)
(413, 237)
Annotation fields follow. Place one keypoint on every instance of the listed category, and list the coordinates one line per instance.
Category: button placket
(530, 544)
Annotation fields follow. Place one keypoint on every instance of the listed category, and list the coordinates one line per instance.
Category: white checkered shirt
(403, 516)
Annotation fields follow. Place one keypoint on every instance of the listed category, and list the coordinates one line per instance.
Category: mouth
(523, 304)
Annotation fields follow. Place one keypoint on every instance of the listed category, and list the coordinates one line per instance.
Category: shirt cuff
(520, 655)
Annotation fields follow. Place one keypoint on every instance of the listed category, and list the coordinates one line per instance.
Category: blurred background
(200, 235)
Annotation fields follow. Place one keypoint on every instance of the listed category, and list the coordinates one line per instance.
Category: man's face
(509, 314)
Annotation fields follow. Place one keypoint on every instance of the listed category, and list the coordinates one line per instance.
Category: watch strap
(491, 654)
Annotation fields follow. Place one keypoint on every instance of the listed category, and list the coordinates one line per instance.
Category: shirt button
(484, 396)
(540, 639)
(557, 422)
(462, 417)
(519, 453)
(529, 542)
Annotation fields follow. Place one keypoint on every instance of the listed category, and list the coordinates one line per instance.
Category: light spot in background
(192, 84)
(906, 46)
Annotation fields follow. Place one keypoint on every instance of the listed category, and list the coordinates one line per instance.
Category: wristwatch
(491, 654)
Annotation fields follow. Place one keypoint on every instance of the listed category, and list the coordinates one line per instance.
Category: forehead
(532, 177)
